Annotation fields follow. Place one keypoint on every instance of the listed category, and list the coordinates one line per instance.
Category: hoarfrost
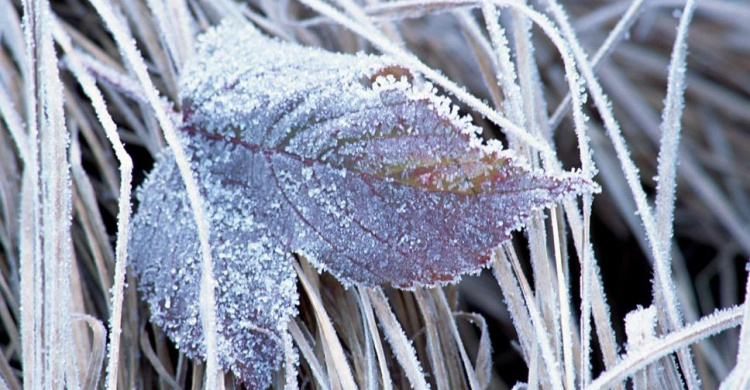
(348, 159)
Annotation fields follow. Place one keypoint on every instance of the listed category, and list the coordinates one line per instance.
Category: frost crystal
(347, 159)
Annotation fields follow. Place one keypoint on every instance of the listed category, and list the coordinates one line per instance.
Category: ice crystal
(348, 160)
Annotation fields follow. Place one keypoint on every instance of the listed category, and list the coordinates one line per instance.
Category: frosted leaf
(345, 159)
(256, 291)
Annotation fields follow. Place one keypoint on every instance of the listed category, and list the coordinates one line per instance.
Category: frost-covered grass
(640, 286)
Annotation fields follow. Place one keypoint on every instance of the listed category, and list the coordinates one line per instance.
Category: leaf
(348, 160)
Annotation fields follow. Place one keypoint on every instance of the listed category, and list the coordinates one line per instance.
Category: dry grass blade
(541, 333)
(9, 380)
(400, 345)
(153, 358)
(208, 316)
(706, 327)
(665, 202)
(126, 173)
(309, 355)
(617, 34)
(448, 320)
(387, 383)
(483, 365)
(338, 366)
(565, 315)
(739, 378)
(99, 344)
(438, 362)
(30, 322)
(412, 9)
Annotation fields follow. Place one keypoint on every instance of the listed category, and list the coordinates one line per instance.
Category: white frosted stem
(647, 354)
(130, 53)
(665, 191)
(88, 85)
(551, 363)
(400, 344)
(739, 378)
(506, 69)
(564, 301)
(342, 369)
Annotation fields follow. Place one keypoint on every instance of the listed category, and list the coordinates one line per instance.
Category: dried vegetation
(88, 97)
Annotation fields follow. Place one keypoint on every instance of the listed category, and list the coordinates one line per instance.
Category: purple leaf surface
(348, 160)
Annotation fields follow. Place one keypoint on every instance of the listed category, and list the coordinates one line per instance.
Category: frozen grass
(88, 95)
